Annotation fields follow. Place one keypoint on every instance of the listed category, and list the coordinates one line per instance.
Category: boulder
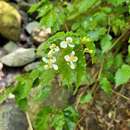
(11, 118)
(19, 57)
(10, 21)
(10, 47)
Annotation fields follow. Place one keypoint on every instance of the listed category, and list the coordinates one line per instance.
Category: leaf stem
(29, 121)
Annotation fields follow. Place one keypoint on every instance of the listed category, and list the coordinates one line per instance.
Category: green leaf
(84, 5)
(109, 61)
(47, 77)
(96, 34)
(116, 2)
(81, 75)
(71, 117)
(105, 85)
(42, 119)
(122, 75)
(23, 86)
(58, 121)
(79, 7)
(106, 43)
(67, 75)
(86, 98)
(42, 93)
(35, 6)
(118, 60)
(71, 113)
(22, 103)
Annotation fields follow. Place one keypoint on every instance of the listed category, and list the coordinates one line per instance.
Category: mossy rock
(10, 21)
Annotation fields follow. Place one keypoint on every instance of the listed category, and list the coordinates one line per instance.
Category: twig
(98, 77)
(121, 37)
(121, 95)
(29, 122)
(66, 27)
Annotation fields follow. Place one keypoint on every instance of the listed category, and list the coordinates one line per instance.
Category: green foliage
(86, 98)
(50, 15)
(71, 116)
(117, 2)
(122, 75)
(5, 93)
(106, 85)
(106, 43)
(43, 117)
(55, 118)
(68, 75)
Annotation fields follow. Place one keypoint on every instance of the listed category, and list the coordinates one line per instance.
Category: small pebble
(23, 37)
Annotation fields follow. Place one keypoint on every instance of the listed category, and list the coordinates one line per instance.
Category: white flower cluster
(50, 60)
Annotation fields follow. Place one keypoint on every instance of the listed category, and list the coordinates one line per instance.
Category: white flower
(66, 43)
(69, 39)
(55, 48)
(71, 59)
(63, 44)
(51, 53)
(50, 63)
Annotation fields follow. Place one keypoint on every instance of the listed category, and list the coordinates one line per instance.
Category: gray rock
(31, 66)
(19, 57)
(10, 46)
(11, 118)
(31, 26)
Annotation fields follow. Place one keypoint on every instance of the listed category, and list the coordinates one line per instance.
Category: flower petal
(48, 30)
(71, 45)
(75, 59)
(72, 65)
(52, 46)
(63, 44)
(46, 67)
(55, 66)
(72, 53)
(44, 59)
(53, 60)
(57, 49)
(69, 39)
(67, 58)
